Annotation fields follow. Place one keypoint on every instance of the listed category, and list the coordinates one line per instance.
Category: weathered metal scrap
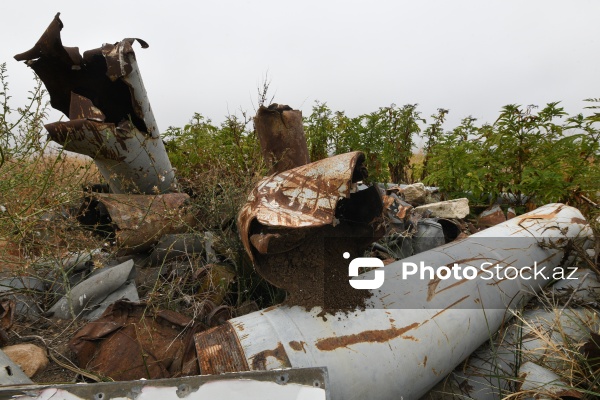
(280, 131)
(542, 384)
(92, 291)
(21, 291)
(130, 341)
(491, 371)
(290, 384)
(111, 120)
(11, 373)
(415, 330)
(305, 196)
(294, 220)
(137, 221)
(171, 247)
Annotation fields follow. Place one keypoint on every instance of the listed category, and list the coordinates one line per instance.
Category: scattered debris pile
(300, 227)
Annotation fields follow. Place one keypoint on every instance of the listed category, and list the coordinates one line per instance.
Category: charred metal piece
(103, 95)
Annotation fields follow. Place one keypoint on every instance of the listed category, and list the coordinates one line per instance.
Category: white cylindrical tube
(414, 331)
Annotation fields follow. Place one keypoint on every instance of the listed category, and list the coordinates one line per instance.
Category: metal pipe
(111, 120)
(414, 331)
(491, 371)
(542, 384)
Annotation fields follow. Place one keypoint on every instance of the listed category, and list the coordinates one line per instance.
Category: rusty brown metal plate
(219, 351)
(305, 196)
(139, 221)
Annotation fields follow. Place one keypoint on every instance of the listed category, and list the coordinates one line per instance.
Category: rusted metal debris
(414, 331)
(131, 342)
(137, 222)
(303, 197)
(111, 120)
(297, 224)
(280, 130)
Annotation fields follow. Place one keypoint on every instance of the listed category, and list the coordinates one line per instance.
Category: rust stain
(451, 305)
(297, 346)
(542, 216)
(82, 108)
(431, 286)
(408, 337)
(579, 221)
(239, 326)
(425, 362)
(374, 336)
(259, 360)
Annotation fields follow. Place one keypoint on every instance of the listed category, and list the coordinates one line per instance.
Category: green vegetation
(546, 155)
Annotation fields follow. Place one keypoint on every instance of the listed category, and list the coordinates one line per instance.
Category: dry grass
(38, 195)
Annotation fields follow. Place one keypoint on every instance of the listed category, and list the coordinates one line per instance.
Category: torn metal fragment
(137, 221)
(280, 131)
(111, 119)
(297, 224)
(92, 291)
(302, 197)
(131, 341)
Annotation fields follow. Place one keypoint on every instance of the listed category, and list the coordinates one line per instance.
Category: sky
(210, 57)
